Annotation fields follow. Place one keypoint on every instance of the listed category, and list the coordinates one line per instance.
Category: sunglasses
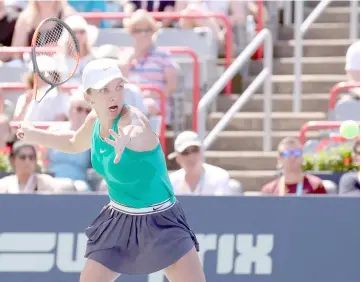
(190, 151)
(288, 153)
(23, 157)
(142, 30)
(80, 110)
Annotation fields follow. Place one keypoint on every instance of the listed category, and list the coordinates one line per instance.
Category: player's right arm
(67, 142)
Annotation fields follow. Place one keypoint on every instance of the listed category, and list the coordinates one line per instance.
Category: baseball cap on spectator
(99, 73)
(107, 51)
(76, 22)
(183, 141)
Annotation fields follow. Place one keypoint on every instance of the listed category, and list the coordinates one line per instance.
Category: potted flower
(331, 163)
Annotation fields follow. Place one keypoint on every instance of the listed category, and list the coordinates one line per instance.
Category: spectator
(53, 107)
(350, 181)
(5, 131)
(196, 177)
(7, 26)
(133, 95)
(151, 6)
(147, 64)
(86, 35)
(23, 159)
(71, 166)
(33, 14)
(293, 179)
(353, 65)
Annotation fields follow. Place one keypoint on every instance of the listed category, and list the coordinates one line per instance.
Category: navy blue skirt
(139, 244)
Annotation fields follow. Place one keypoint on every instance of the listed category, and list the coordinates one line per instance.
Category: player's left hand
(119, 143)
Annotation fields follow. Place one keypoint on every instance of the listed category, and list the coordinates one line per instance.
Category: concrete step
(313, 48)
(333, 14)
(253, 180)
(283, 84)
(318, 31)
(254, 121)
(236, 160)
(314, 102)
(310, 65)
(243, 140)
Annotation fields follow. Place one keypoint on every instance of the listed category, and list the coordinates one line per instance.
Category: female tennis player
(143, 229)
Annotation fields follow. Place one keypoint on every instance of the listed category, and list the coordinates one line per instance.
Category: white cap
(99, 73)
(185, 140)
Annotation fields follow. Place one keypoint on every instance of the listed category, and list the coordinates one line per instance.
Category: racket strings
(56, 53)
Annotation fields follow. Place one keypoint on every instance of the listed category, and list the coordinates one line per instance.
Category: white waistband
(143, 211)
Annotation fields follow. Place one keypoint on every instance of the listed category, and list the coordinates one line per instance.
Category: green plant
(336, 159)
(4, 162)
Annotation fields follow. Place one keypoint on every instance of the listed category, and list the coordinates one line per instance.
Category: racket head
(55, 54)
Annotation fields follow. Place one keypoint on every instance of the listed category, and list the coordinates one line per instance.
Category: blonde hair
(32, 10)
(284, 143)
(28, 79)
(139, 16)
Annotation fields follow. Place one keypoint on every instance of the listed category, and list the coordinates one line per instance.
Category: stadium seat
(11, 74)
(115, 36)
(310, 146)
(347, 110)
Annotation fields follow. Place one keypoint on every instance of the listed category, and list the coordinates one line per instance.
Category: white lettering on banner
(41, 252)
(64, 252)
(26, 252)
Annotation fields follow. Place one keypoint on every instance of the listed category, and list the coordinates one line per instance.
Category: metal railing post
(354, 30)
(298, 50)
(267, 96)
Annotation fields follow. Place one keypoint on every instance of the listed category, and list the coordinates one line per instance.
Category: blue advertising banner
(251, 239)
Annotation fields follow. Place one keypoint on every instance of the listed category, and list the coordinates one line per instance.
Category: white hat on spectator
(99, 73)
(77, 22)
(183, 141)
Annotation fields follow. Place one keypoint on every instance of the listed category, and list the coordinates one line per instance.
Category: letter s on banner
(27, 252)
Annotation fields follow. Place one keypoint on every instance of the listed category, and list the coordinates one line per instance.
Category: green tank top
(139, 179)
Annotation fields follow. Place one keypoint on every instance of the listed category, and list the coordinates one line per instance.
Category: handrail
(173, 50)
(314, 125)
(13, 86)
(354, 19)
(176, 16)
(300, 28)
(265, 77)
(260, 5)
(337, 89)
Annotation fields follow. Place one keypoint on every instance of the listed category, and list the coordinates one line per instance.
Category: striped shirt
(150, 69)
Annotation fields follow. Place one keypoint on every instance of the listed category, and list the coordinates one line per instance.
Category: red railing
(337, 89)
(317, 125)
(260, 4)
(13, 86)
(173, 50)
(177, 16)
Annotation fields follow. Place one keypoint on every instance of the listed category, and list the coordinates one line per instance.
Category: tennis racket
(55, 57)
(55, 54)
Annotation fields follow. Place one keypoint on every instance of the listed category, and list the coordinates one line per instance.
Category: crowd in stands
(35, 169)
